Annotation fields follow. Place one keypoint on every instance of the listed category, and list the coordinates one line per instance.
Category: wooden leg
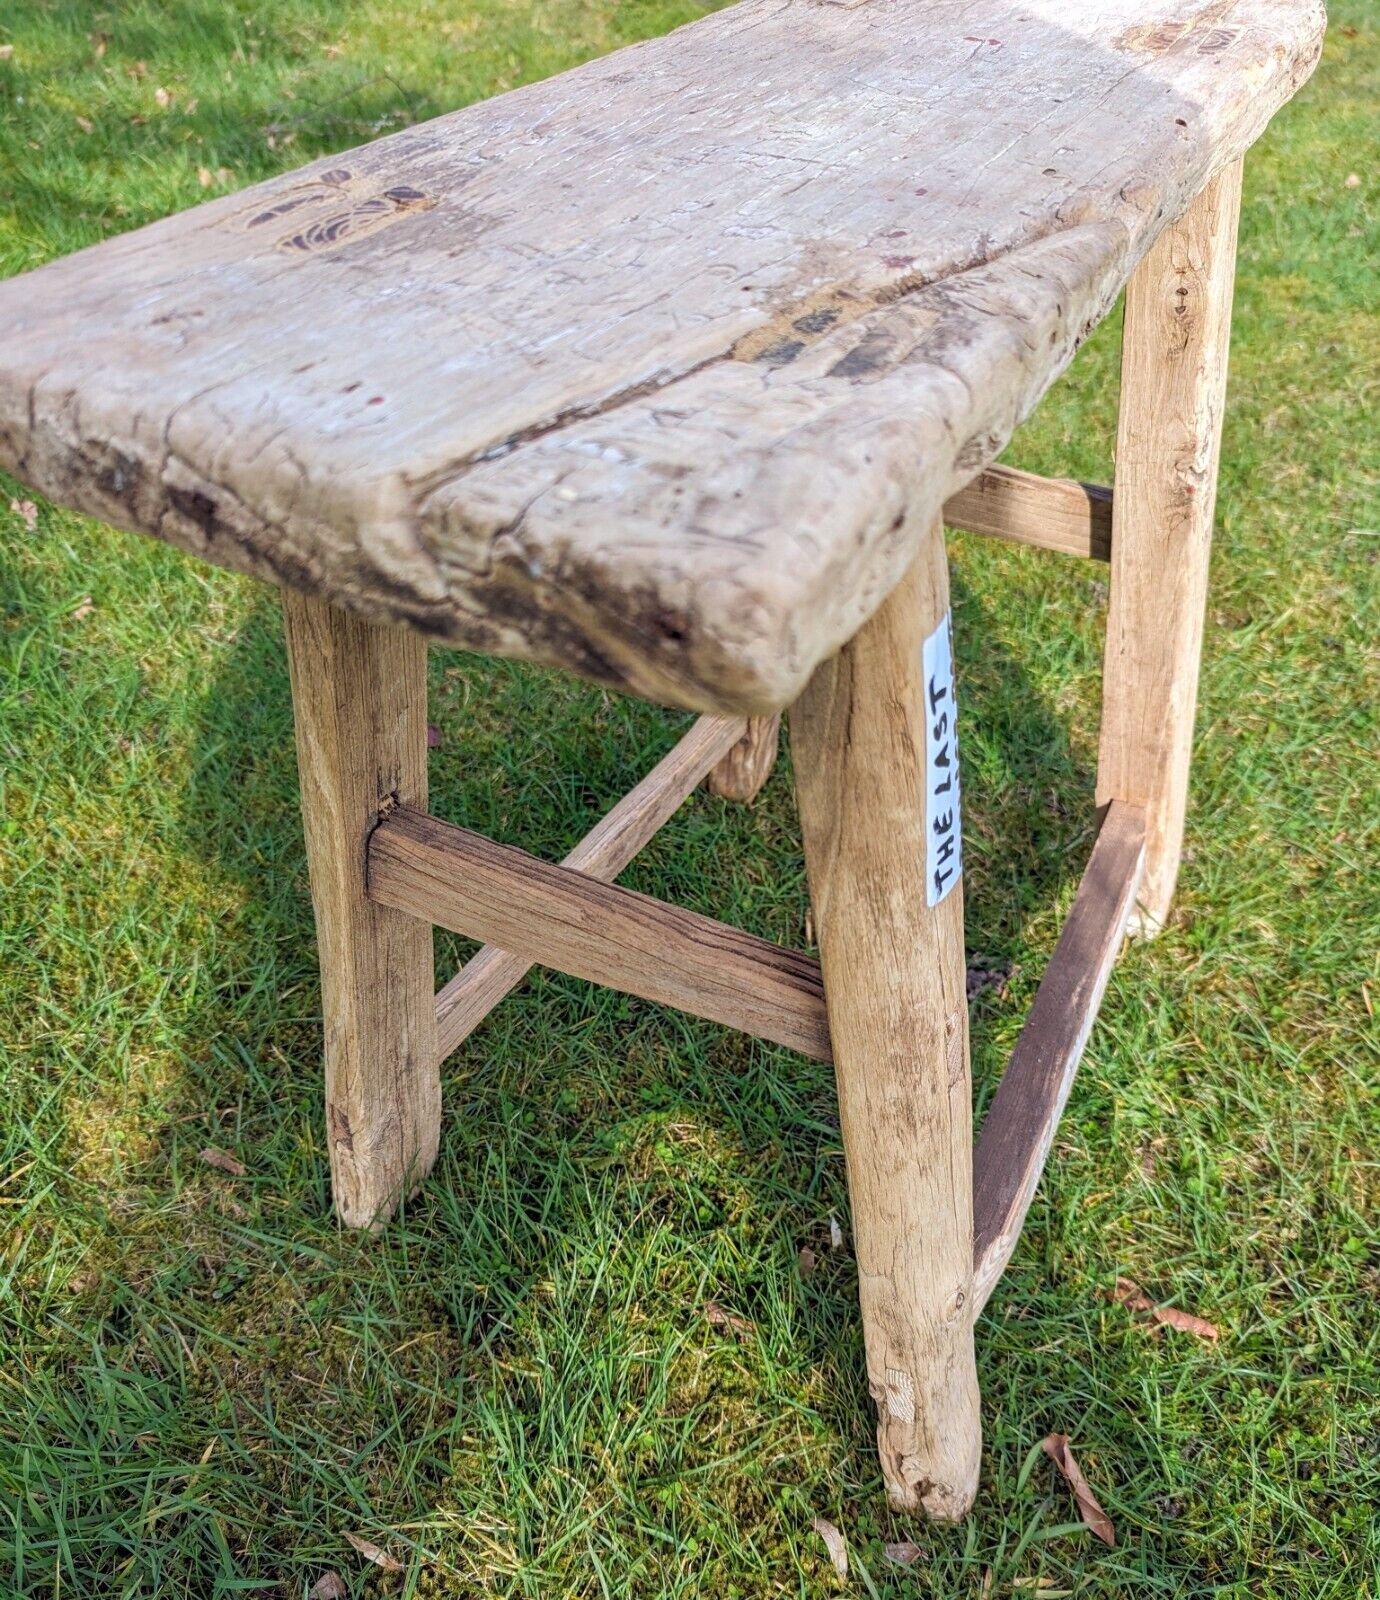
(876, 781)
(1173, 384)
(747, 766)
(359, 698)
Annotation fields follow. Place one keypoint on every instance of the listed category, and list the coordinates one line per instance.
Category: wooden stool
(668, 371)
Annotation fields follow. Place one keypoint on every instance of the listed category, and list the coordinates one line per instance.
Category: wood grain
(1173, 390)
(652, 370)
(359, 702)
(491, 973)
(741, 774)
(1025, 1111)
(895, 981)
(462, 881)
(1053, 513)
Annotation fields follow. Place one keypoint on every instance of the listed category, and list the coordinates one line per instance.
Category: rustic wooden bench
(669, 371)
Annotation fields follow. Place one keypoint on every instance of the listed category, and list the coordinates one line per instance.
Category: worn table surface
(657, 370)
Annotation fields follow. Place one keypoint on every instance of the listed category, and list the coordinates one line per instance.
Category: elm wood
(605, 850)
(439, 873)
(747, 766)
(1054, 513)
(658, 370)
(1019, 1127)
(359, 703)
(895, 983)
(1173, 389)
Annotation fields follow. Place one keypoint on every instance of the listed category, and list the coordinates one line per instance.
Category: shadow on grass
(575, 1115)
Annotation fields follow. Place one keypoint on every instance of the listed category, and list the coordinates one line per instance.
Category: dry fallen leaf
(85, 124)
(83, 608)
(1130, 1294)
(1056, 1447)
(27, 512)
(904, 1553)
(6, 51)
(1187, 1322)
(218, 1158)
(719, 1318)
(807, 1259)
(371, 1552)
(833, 1543)
(835, 1234)
(331, 1586)
(433, 736)
(204, 178)
(1353, 181)
(163, 96)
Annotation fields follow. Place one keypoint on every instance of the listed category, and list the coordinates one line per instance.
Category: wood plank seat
(668, 371)
(658, 370)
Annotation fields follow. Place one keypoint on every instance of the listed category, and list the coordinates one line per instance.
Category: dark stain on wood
(782, 353)
(354, 212)
(196, 508)
(120, 476)
(817, 321)
(364, 217)
(873, 355)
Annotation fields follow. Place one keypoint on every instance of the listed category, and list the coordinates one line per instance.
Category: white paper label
(943, 825)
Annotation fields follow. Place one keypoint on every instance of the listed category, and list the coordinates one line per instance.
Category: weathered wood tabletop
(660, 369)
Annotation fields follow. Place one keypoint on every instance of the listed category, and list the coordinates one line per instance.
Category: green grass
(206, 1385)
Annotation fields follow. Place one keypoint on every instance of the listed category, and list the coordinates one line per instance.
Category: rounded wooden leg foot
(878, 791)
(940, 1502)
(931, 1462)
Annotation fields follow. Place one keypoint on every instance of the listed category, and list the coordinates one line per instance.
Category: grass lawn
(205, 1386)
